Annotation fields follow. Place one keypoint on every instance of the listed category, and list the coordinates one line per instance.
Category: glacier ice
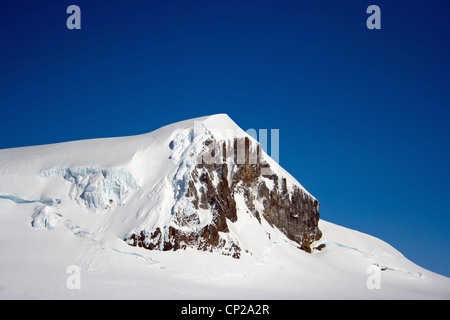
(97, 188)
(44, 218)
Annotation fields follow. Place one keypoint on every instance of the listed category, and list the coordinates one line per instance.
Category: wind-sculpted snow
(97, 188)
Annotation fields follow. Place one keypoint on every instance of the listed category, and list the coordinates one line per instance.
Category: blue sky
(363, 114)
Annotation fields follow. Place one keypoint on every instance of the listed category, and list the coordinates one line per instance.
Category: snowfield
(66, 208)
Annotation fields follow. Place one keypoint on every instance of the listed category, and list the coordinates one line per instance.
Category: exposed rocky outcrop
(223, 170)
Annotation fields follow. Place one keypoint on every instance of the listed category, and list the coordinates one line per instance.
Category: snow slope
(71, 204)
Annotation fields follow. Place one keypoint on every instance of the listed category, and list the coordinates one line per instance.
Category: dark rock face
(294, 214)
(213, 185)
(172, 238)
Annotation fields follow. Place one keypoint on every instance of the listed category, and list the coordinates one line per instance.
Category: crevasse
(96, 188)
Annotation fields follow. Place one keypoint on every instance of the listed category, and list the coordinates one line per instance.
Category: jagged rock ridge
(213, 176)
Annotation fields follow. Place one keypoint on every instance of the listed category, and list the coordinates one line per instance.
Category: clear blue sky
(363, 114)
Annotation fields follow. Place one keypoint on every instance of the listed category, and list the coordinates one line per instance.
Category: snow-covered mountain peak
(187, 182)
(166, 197)
(217, 173)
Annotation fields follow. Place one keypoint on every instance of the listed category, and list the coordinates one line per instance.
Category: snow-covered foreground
(34, 265)
(65, 208)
